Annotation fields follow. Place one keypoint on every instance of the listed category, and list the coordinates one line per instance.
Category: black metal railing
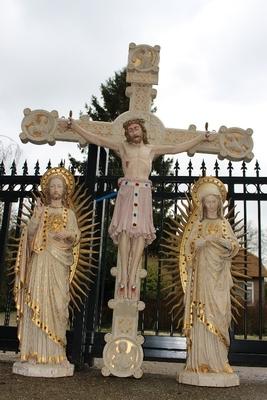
(246, 191)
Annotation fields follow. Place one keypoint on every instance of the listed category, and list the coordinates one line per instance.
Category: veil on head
(205, 186)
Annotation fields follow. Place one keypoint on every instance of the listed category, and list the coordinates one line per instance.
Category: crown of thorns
(138, 121)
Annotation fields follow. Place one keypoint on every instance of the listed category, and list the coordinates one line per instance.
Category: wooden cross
(40, 126)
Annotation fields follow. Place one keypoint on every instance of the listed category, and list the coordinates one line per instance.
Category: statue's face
(43, 119)
(134, 134)
(56, 188)
(211, 204)
(122, 347)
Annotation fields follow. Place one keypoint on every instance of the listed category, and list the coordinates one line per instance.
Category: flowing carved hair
(65, 199)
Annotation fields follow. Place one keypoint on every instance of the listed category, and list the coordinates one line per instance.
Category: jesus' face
(56, 188)
(134, 134)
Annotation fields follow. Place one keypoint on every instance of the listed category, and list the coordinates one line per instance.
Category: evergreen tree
(113, 97)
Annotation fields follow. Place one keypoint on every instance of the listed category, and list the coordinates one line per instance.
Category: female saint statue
(207, 248)
(202, 260)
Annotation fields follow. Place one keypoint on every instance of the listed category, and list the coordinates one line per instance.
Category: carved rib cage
(171, 270)
(82, 272)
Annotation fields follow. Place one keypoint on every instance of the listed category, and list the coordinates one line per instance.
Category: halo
(208, 185)
(59, 171)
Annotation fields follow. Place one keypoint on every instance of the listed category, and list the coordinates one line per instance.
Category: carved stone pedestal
(123, 353)
(208, 379)
(43, 370)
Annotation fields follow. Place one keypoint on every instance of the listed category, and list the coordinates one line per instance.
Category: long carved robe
(207, 298)
(42, 285)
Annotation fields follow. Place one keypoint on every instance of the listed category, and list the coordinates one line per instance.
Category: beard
(55, 196)
(136, 139)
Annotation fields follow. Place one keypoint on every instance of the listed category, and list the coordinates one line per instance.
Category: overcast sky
(213, 61)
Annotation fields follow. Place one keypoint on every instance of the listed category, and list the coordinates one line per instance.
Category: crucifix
(132, 225)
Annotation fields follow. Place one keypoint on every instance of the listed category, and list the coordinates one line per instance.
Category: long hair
(65, 199)
(141, 123)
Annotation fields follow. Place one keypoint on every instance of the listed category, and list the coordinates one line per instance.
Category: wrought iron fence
(247, 192)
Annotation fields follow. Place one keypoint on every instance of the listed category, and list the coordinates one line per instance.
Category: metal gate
(162, 341)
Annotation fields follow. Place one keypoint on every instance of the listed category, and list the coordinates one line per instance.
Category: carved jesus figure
(132, 223)
(42, 279)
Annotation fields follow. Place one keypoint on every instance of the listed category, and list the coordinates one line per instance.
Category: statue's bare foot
(122, 291)
(132, 291)
(228, 369)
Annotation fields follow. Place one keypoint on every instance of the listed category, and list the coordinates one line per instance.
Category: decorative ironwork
(247, 191)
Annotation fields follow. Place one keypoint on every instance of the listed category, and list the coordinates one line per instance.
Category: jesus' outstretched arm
(161, 149)
(92, 137)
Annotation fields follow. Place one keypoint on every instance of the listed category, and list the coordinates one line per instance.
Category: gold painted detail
(228, 369)
(185, 259)
(178, 258)
(41, 359)
(52, 223)
(208, 185)
(213, 228)
(205, 369)
(41, 324)
(58, 171)
(55, 223)
(198, 308)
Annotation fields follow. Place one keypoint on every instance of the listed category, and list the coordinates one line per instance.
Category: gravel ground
(158, 382)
